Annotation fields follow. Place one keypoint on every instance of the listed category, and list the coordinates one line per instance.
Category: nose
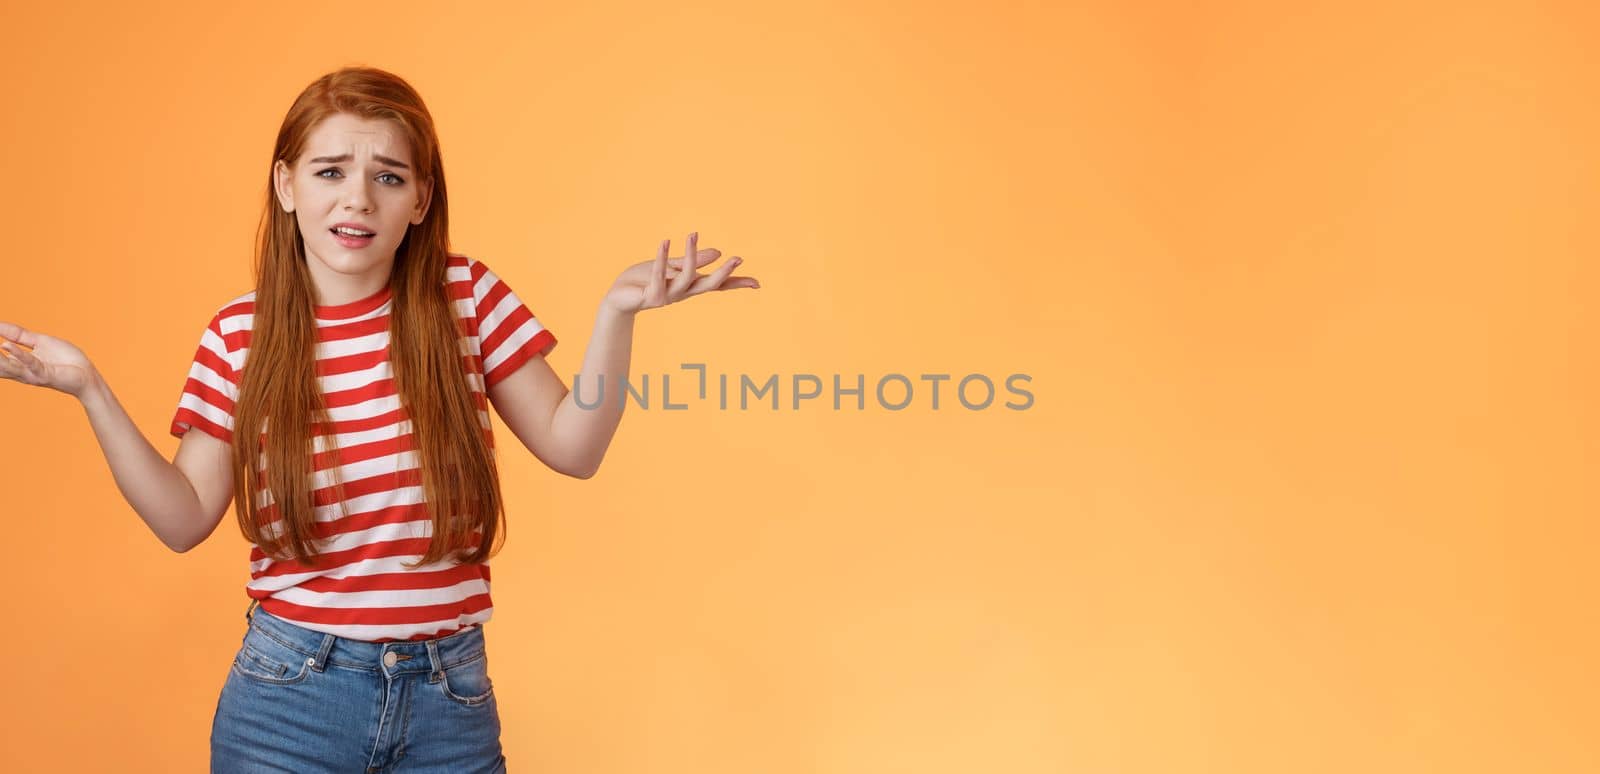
(356, 196)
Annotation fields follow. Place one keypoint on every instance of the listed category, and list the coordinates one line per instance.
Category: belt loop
(434, 663)
(254, 603)
(322, 654)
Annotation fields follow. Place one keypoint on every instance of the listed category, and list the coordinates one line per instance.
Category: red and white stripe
(360, 587)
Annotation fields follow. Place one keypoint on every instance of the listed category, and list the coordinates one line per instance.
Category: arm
(544, 414)
(158, 490)
(181, 501)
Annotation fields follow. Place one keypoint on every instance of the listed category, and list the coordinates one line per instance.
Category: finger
(716, 278)
(21, 356)
(675, 264)
(17, 362)
(734, 283)
(656, 288)
(19, 334)
(10, 369)
(680, 284)
(707, 255)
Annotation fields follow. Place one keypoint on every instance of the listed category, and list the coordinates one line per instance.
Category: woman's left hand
(650, 284)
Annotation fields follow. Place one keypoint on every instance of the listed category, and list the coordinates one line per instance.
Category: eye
(329, 169)
(397, 179)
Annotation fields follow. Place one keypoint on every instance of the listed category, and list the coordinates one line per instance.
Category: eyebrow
(347, 157)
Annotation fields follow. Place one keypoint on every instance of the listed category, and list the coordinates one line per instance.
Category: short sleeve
(508, 334)
(210, 389)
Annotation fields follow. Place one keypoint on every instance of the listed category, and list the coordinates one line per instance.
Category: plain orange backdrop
(1305, 291)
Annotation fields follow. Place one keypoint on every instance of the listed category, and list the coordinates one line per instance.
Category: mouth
(351, 237)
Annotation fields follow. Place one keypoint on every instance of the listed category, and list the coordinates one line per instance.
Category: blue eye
(397, 179)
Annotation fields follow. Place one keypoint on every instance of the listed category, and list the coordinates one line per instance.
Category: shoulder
(465, 269)
(471, 278)
(461, 276)
(240, 306)
(233, 320)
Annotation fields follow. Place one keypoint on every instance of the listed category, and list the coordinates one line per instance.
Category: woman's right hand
(53, 362)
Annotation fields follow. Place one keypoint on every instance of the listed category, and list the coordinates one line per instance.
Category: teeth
(351, 231)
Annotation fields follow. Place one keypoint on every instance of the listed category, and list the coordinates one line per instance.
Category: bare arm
(158, 490)
(570, 437)
(182, 500)
(544, 415)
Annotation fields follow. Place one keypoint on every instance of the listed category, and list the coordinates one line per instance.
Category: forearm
(583, 432)
(155, 487)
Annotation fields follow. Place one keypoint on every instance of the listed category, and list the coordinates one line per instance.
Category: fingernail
(695, 235)
(736, 261)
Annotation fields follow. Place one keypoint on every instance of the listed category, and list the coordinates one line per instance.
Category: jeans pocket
(467, 682)
(266, 660)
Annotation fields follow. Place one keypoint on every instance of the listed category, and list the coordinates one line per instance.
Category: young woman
(371, 353)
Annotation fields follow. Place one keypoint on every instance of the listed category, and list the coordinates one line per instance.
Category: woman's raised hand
(47, 361)
(650, 284)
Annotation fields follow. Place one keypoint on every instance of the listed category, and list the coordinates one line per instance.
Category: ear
(424, 200)
(281, 175)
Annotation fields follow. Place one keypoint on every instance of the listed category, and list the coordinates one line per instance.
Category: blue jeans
(303, 701)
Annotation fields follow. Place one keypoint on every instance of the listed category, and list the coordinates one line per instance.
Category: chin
(346, 261)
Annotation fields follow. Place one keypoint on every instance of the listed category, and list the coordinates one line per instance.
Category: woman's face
(358, 172)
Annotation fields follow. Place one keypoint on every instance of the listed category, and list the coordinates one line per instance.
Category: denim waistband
(322, 649)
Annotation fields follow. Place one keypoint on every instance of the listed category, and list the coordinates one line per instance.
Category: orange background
(1305, 291)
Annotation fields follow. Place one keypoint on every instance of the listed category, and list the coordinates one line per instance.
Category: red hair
(460, 479)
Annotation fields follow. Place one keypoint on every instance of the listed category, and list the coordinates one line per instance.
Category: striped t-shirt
(361, 588)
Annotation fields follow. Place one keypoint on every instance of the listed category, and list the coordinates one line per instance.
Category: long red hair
(460, 480)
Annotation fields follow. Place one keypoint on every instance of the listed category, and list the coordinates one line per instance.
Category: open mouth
(350, 237)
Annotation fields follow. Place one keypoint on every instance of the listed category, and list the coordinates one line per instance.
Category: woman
(373, 506)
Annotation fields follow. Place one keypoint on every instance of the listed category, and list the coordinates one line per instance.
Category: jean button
(389, 658)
